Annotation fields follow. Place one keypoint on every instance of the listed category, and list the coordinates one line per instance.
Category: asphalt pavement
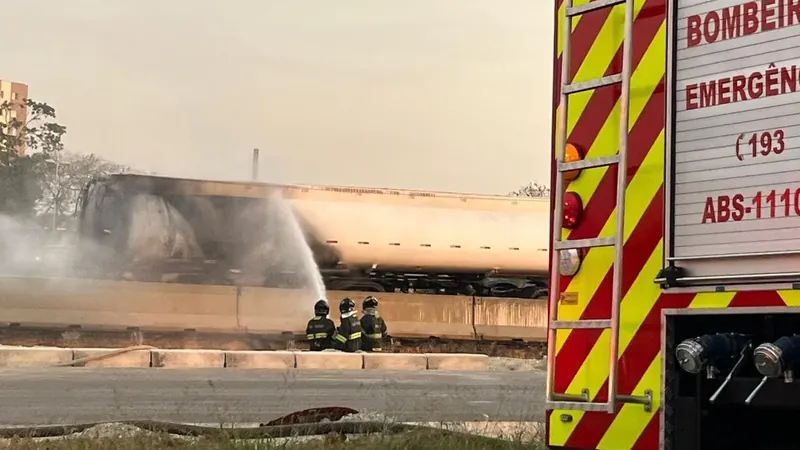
(80, 395)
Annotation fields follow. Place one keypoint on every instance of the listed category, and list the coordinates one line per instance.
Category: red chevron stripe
(637, 250)
(648, 440)
(635, 361)
(583, 37)
(644, 347)
(645, 130)
(756, 298)
(602, 203)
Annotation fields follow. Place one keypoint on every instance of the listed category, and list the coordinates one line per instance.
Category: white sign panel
(736, 167)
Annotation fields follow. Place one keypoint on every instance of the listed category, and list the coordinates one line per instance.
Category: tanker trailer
(212, 232)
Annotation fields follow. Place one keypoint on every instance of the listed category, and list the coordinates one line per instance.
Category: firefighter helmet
(370, 302)
(321, 308)
(346, 305)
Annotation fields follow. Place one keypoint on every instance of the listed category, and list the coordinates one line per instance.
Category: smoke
(154, 231)
(226, 240)
(26, 249)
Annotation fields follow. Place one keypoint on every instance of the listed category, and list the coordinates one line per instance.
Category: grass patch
(430, 439)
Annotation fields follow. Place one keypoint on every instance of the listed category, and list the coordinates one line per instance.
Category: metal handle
(753, 394)
(731, 374)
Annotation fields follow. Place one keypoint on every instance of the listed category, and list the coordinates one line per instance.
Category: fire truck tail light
(569, 261)
(573, 210)
(572, 154)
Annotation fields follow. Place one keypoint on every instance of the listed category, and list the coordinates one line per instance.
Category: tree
(64, 180)
(532, 190)
(27, 142)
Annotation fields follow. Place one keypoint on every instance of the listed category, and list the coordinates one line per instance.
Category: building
(15, 94)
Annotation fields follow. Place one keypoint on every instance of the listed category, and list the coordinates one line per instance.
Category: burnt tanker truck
(158, 229)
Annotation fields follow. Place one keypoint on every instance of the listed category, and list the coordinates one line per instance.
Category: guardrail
(103, 304)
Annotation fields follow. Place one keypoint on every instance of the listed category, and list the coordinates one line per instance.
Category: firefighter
(372, 325)
(320, 329)
(348, 336)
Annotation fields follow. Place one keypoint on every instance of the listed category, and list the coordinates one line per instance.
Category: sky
(449, 95)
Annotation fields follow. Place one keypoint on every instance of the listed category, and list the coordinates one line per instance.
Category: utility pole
(255, 164)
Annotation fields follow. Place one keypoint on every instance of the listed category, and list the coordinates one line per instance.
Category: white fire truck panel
(735, 143)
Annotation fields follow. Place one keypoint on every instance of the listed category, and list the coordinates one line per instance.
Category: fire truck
(675, 232)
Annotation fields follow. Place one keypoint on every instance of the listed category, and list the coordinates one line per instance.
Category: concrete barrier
(511, 318)
(22, 357)
(195, 359)
(454, 361)
(329, 360)
(34, 356)
(135, 358)
(117, 304)
(260, 360)
(407, 315)
(424, 316)
(276, 311)
(395, 361)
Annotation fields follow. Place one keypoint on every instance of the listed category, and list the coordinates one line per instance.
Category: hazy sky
(421, 94)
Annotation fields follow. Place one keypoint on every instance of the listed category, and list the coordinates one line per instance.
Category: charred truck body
(674, 319)
(373, 240)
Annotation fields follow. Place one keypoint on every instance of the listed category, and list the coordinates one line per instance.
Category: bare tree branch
(61, 191)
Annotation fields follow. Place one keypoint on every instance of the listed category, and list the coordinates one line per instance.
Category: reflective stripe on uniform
(339, 338)
(375, 336)
(310, 337)
(321, 335)
(354, 336)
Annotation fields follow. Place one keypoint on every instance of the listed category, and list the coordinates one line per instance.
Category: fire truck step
(592, 84)
(581, 402)
(598, 324)
(585, 243)
(592, 6)
(581, 406)
(589, 163)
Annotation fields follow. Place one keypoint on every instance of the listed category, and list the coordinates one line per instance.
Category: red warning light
(573, 210)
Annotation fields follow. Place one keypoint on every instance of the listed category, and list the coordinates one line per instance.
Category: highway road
(80, 395)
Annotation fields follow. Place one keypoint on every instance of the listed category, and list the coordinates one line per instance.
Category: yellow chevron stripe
(594, 65)
(651, 69)
(641, 190)
(791, 298)
(593, 373)
(598, 260)
(640, 299)
(559, 33)
(632, 419)
(712, 300)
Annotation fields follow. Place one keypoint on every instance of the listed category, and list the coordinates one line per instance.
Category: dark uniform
(347, 337)
(372, 326)
(320, 329)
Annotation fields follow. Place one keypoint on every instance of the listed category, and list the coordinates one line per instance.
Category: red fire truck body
(675, 280)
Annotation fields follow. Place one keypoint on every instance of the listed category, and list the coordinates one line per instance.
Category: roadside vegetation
(426, 439)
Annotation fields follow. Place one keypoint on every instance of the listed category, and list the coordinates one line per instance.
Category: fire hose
(273, 431)
(119, 351)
